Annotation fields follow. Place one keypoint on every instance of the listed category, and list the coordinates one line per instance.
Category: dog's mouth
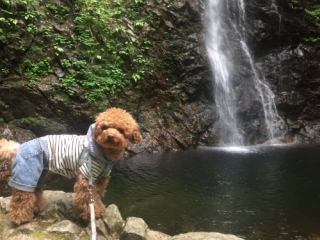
(113, 142)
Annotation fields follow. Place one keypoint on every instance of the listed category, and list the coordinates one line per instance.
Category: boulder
(134, 229)
(113, 221)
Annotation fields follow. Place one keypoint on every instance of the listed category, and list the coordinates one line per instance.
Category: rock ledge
(60, 221)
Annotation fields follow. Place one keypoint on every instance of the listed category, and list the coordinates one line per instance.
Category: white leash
(85, 157)
(91, 204)
(92, 216)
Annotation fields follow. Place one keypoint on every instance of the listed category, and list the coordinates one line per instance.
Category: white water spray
(227, 51)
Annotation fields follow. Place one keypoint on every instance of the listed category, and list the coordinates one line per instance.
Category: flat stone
(156, 235)
(27, 227)
(65, 226)
(21, 237)
(205, 236)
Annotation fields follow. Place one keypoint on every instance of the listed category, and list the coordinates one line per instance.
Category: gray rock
(156, 235)
(134, 229)
(101, 228)
(113, 221)
(205, 236)
(111, 227)
(65, 227)
(27, 227)
(60, 205)
(5, 204)
(67, 208)
(21, 237)
(8, 230)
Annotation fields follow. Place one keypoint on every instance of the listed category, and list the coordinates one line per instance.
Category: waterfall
(238, 87)
(274, 8)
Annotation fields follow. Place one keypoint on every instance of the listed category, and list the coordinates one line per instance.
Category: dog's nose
(110, 138)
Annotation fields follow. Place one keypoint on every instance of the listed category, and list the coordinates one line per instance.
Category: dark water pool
(267, 192)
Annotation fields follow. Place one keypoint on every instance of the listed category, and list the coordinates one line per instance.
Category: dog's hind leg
(41, 202)
(22, 206)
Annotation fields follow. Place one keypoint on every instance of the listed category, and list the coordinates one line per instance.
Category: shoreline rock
(60, 221)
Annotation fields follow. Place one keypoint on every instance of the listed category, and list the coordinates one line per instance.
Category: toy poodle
(89, 158)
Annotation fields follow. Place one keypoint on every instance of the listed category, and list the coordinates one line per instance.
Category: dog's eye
(121, 131)
(104, 128)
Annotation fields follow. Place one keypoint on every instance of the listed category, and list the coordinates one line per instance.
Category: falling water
(274, 8)
(222, 71)
(232, 65)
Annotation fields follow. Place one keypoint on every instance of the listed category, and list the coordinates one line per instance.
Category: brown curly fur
(115, 128)
(82, 197)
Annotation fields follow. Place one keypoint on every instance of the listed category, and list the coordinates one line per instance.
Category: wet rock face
(181, 114)
(295, 76)
(273, 24)
(291, 66)
(275, 33)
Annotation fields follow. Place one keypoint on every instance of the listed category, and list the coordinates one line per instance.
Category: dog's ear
(96, 132)
(136, 136)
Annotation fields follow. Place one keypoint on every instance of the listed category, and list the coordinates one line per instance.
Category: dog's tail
(8, 149)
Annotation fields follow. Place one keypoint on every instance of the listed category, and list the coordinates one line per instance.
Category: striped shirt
(64, 153)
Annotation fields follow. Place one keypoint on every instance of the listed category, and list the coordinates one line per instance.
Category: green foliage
(30, 120)
(312, 39)
(136, 77)
(31, 14)
(62, 41)
(104, 43)
(66, 63)
(29, 4)
(316, 15)
(31, 28)
(100, 81)
(34, 69)
(109, 53)
(58, 10)
(139, 22)
(46, 31)
(5, 71)
(69, 81)
(9, 18)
